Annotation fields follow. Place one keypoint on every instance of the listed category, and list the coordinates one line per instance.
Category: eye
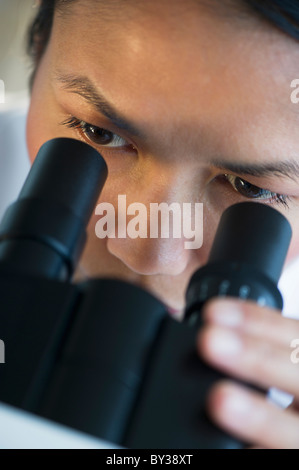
(251, 191)
(97, 135)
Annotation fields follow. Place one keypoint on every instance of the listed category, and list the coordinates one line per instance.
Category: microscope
(104, 356)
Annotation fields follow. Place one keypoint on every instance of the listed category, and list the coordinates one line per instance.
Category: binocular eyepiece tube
(103, 356)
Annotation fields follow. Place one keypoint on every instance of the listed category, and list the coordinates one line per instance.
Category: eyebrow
(84, 87)
(289, 169)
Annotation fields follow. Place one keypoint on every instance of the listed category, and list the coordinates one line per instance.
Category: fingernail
(237, 404)
(224, 343)
(226, 313)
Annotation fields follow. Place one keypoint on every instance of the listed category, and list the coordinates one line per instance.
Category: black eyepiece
(43, 232)
(246, 258)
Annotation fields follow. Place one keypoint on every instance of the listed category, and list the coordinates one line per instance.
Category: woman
(187, 102)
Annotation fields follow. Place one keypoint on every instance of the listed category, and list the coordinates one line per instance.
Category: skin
(203, 84)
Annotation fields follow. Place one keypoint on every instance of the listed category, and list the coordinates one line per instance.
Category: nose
(158, 230)
(151, 256)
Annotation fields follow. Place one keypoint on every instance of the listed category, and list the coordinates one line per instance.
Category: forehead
(191, 61)
(206, 36)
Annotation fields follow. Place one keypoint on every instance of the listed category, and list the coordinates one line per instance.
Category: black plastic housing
(104, 356)
(245, 261)
(44, 231)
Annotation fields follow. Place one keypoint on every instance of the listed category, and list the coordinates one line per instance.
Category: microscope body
(103, 356)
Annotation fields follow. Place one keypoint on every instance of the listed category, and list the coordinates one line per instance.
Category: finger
(252, 318)
(253, 419)
(248, 358)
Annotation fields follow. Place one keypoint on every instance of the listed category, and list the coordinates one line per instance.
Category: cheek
(34, 130)
(294, 246)
(42, 115)
(42, 120)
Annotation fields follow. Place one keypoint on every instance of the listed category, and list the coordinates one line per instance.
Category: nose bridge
(175, 183)
(175, 208)
(162, 224)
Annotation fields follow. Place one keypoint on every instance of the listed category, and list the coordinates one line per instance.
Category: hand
(252, 343)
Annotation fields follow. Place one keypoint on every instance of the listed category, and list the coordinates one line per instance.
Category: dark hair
(39, 34)
(283, 13)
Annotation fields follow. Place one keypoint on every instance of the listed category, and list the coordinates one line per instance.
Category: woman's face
(196, 102)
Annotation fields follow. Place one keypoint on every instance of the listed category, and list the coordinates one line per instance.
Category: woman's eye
(97, 135)
(251, 191)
